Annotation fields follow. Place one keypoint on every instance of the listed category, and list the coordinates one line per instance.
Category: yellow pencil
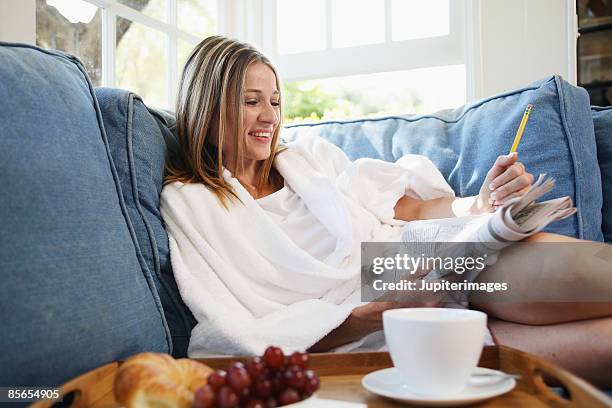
(519, 132)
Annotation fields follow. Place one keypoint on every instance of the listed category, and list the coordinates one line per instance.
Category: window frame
(371, 58)
(244, 19)
(111, 9)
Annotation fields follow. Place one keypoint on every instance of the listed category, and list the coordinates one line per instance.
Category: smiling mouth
(263, 136)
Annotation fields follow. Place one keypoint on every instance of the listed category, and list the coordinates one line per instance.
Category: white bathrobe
(248, 285)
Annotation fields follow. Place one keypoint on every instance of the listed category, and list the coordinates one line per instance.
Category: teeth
(261, 134)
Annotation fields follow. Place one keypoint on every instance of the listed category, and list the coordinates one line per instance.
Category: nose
(269, 114)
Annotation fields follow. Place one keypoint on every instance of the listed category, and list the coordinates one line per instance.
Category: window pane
(198, 17)
(72, 26)
(419, 19)
(152, 8)
(357, 22)
(416, 91)
(301, 26)
(183, 51)
(141, 62)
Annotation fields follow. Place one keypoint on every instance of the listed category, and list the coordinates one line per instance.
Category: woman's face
(261, 114)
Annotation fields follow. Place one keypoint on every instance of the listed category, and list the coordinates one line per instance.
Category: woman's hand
(363, 320)
(506, 179)
(368, 317)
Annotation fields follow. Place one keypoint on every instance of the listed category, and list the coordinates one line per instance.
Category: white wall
(18, 21)
(515, 42)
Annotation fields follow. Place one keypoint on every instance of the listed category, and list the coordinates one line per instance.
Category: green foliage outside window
(305, 104)
(311, 101)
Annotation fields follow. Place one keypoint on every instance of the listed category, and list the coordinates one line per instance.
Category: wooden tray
(341, 379)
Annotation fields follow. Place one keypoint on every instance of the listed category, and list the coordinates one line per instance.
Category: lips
(261, 136)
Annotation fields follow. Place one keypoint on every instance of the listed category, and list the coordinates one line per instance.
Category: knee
(563, 261)
(540, 237)
(549, 237)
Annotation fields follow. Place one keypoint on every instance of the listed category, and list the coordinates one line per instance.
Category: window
(414, 91)
(367, 57)
(348, 57)
(139, 45)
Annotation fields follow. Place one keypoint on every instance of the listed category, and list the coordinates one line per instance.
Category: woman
(265, 239)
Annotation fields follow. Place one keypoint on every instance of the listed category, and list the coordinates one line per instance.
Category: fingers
(512, 172)
(513, 195)
(402, 305)
(516, 185)
(501, 163)
(398, 300)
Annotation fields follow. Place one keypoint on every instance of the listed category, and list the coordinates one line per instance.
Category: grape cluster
(272, 380)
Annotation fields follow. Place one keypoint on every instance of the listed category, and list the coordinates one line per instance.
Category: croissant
(158, 380)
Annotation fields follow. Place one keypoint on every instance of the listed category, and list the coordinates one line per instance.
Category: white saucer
(386, 383)
(314, 402)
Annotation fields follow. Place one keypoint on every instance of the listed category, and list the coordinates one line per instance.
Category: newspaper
(488, 234)
(515, 220)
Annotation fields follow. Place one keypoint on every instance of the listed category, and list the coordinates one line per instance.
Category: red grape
(270, 403)
(277, 381)
(217, 379)
(265, 373)
(311, 384)
(274, 357)
(262, 387)
(255, 403)
(254, 366)
(204, 397)
(299, 359)
(238, 378)
(289, 396)
(261, 382)
(244, 394)
(237, 364)
(294, 377)
(226, 398)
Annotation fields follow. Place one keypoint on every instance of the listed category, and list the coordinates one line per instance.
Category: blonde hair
(210, 96)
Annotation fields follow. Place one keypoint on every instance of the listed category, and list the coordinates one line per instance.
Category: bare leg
(583, 348)
(585, 268)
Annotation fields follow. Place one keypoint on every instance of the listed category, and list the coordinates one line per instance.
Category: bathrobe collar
(319, 194)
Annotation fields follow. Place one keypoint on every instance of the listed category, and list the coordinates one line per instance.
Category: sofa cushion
(73, 293)
(138, 150)
(602, 121)
(464, 143)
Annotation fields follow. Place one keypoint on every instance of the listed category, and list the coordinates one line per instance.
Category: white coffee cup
(434, 350)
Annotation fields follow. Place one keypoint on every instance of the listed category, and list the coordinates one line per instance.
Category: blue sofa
(86, 275)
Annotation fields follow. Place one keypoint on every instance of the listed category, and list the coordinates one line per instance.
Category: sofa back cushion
(73, 293)
(602, 121)
(136, 138)
(464, 143)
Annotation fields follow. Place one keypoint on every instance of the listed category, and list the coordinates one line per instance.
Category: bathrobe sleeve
(375, 184)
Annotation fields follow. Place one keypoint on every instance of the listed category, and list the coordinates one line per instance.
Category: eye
(275, 103)
(251, 102)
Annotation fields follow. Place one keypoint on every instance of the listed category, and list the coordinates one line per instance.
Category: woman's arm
(506, 179)
(410, 209)
(353, 328)
(362, 321)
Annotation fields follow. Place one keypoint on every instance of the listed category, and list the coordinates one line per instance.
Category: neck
(250, 173)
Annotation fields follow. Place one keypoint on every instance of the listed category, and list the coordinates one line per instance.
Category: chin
(259, 155)
(264, 157)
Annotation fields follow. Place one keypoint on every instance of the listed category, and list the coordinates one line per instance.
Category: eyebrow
(258, 91)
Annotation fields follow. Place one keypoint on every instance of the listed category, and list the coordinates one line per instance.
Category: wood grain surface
(341, 376)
